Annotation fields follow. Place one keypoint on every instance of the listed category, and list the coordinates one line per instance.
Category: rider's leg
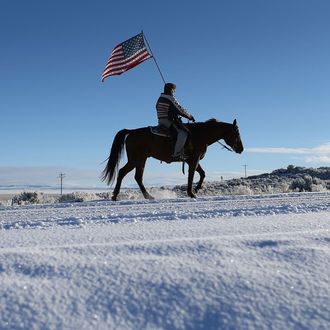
(164, 122)
(172, 129)
(180, 141)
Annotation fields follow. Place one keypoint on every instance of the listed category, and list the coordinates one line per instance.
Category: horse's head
(233, 138)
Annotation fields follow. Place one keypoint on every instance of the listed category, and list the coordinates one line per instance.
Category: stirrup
(180, 157)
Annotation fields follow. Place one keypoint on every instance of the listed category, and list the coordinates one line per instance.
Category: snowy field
(233, 262)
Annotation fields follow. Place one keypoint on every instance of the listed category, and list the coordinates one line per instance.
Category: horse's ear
(235, 122)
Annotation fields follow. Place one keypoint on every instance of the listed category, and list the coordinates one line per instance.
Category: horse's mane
(202, 123)
(212, 120)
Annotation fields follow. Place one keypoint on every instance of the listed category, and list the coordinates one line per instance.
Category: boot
(179, 157)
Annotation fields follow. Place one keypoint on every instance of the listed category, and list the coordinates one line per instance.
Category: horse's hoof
(114, 198)
(147, 196)
(192, 195)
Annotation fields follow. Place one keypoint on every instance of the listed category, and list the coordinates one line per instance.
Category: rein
(225, 147)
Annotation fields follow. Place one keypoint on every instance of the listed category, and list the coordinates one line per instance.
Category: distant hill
(291, 179)
(291, 171)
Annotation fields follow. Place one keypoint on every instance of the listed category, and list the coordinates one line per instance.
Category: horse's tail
(110, 171)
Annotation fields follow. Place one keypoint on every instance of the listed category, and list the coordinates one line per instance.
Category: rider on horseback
(169, 112)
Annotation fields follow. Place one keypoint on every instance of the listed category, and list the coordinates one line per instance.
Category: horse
(141, 143)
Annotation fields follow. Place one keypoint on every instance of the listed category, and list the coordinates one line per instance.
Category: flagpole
(153, 57)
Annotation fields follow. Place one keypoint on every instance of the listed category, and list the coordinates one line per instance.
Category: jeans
(181, 138)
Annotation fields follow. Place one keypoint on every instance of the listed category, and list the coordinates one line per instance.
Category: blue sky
(265, 63)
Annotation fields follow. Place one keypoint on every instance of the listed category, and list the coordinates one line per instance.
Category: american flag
(126, 55)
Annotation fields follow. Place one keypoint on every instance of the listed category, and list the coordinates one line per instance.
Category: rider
(169, 112)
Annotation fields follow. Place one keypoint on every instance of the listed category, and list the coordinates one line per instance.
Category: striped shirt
(168, 107)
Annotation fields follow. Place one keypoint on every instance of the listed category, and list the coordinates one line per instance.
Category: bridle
(230, 148)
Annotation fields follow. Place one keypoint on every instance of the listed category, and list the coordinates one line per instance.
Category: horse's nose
(240, 150)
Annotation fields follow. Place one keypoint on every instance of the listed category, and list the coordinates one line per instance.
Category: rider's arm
(179, 110)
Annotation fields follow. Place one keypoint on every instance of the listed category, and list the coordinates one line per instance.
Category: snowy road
(233, 262)
(77, 214)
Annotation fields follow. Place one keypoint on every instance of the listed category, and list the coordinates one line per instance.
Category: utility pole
(61, 177)
(245, 166)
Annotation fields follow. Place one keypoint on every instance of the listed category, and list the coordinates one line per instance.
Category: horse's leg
(121, 174)
(193, 164)
(201, 172)
(139, 177)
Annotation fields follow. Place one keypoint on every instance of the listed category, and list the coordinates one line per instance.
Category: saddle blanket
(160, 130)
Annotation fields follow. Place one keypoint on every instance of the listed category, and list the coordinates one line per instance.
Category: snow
(219, 262)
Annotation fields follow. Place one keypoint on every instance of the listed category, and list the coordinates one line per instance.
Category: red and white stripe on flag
(126, 56)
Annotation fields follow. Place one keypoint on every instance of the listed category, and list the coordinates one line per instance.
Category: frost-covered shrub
(318, 188)
(70, 198)
(77, 197)
(283, 187)
(290, 168)
(307, 183)
(35, 197)
(243, 190)
(27, 197)
(298, 184)
(104, 195)
(318, 185)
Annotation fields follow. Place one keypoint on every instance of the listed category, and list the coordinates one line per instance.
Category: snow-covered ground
(233, 262)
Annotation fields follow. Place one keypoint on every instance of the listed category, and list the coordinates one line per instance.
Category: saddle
(161, 131)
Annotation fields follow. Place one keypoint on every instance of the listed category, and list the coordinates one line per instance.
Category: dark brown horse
(141, 144)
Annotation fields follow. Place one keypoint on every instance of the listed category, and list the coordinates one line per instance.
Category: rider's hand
(192, 119)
